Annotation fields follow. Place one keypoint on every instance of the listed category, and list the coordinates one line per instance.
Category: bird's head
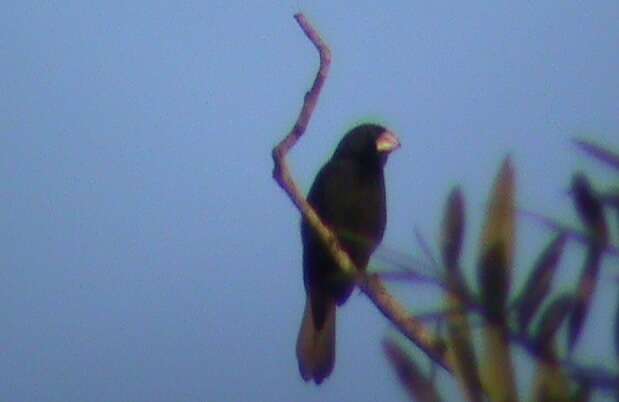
(367, 143)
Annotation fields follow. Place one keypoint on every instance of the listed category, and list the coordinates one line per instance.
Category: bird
(348, 194)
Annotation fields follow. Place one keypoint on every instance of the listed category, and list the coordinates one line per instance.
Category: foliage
(487, 376)
(490, 375)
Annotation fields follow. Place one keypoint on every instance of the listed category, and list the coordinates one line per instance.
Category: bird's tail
(316, 347)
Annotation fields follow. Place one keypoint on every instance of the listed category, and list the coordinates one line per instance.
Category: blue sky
(147, 253)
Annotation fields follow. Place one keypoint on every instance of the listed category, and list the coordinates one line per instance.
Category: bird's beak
(387, 142)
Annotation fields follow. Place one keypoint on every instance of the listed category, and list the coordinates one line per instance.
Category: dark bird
(349, 196)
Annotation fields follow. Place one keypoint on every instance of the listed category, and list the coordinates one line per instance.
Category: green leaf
(589, 207)
(551, 381)
(460, 352)
(609, 157)
(582, 393)
(418, 387)
(617, 331)
(494, 273)
(586, 289)
(453, 229)
(539, 282)
(551, 320)
(497, 245)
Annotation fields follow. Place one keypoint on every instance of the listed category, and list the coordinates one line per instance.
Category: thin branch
(281, 172)
(370, 284)
(408, 325)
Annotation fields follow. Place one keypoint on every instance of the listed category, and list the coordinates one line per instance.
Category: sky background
(147, 255)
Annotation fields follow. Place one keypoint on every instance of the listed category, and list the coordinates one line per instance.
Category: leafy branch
(489, 375)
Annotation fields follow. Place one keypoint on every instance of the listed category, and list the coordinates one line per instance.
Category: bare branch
(281, 172)
(407, 324)
(370, 284)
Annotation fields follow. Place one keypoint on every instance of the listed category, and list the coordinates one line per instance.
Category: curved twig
(371, 285)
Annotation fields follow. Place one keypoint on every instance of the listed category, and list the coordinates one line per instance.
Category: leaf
(609, 157)
(598, 378)
(494, 273)
(586, 288)
(589, 207)
(551, 381)
(539, 281)
(617, 331)
(591, 212)
(551, 321)
(575, 234)
(497, 246)
(582, 392)
(453, 229)
(419, 388)
(461, 352)
(452, 234)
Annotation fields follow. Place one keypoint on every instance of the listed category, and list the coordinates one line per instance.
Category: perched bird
(349, 196)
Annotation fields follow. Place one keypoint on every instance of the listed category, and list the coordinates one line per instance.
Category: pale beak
(387, 142)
